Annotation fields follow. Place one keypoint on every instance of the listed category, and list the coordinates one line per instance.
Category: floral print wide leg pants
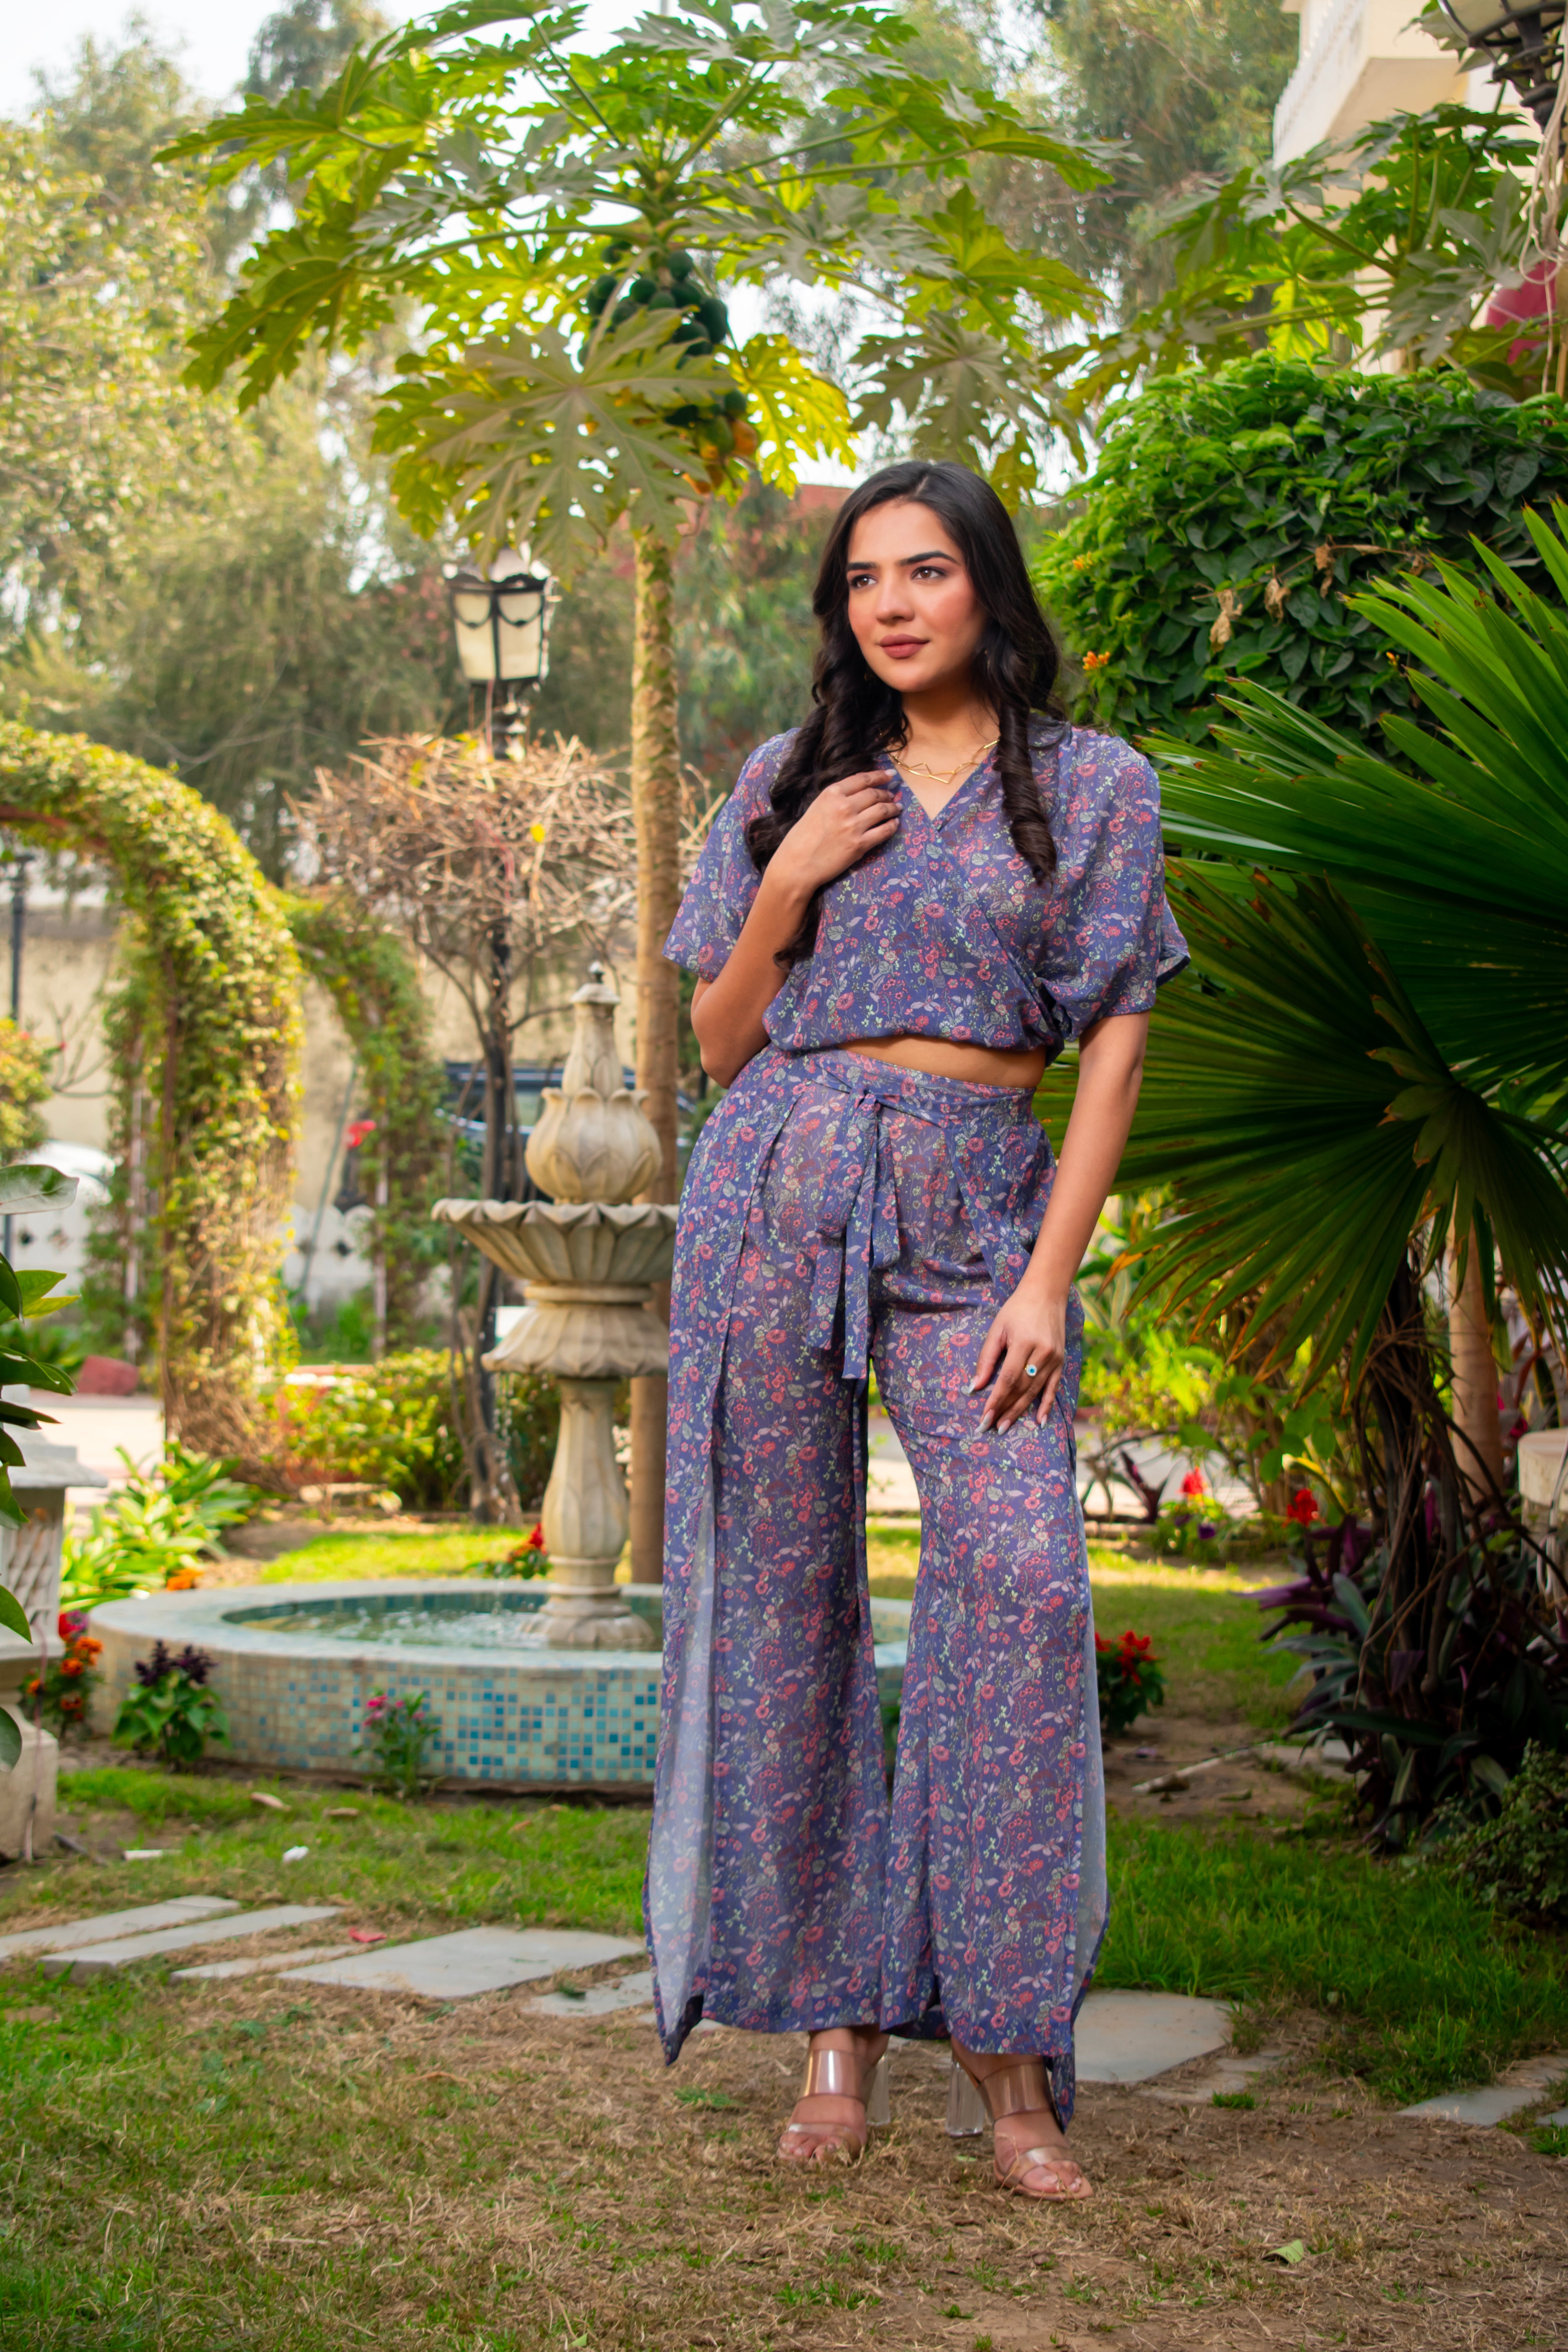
(974, 1903)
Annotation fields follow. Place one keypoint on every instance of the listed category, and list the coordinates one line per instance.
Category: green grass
(1423, 1991)
(390, 1551)
(542, 1864)
(1206, 1632)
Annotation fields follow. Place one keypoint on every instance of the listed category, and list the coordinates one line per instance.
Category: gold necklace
(970, 760)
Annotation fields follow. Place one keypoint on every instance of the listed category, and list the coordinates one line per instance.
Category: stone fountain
(588, 1260)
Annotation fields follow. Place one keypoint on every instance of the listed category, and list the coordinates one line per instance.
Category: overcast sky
(214, 36)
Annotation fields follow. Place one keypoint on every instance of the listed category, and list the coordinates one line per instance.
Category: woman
(906, 909)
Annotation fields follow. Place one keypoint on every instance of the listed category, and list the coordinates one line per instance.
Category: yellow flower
(536, 832)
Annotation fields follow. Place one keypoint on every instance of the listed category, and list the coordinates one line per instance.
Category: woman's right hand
(842, 823)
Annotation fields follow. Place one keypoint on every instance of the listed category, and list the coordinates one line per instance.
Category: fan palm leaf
(1309, 1124)
(1460, 870)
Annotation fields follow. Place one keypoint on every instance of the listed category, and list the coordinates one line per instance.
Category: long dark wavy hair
(855, 717)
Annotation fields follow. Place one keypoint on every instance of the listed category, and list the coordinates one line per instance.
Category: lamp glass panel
(522, 642)
(471, 622)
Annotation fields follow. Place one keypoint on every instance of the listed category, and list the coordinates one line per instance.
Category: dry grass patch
(369, 2168)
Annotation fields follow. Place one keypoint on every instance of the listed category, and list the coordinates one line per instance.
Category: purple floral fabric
(838, 1207)
(942, 932)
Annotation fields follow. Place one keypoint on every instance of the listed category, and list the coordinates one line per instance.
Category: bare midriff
(978, 1065)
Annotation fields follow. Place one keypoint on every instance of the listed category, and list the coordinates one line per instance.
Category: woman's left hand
(1024, 1353)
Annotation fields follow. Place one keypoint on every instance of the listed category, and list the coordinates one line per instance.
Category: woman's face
(912, 606)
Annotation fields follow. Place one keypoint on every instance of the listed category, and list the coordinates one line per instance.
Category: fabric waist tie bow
(857, 1220)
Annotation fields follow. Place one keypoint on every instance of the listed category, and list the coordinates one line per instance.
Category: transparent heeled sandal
(1014, 2089)
(841, 2074)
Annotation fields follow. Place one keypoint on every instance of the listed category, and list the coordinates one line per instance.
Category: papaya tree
(560, 236)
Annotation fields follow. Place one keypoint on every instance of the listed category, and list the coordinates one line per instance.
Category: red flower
(1303, 1507)
(536, 1540)
(1193, 1484)
(356, 1132)
(72, 1623)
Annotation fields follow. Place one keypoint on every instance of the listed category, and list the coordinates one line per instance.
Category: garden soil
(557, 2183)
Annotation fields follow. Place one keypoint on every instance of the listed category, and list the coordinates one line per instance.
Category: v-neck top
(941, 931)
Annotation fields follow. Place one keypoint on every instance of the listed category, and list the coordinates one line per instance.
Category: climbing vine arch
(203, 1033)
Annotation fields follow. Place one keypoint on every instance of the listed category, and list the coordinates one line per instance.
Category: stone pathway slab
(1556, 2121)
(598, 2001)
(1131, 2037)
(262, 1962)
(106, 1959)
(474, 1960)
(177, 1913)
(1230, 2075)
(1517, 2088)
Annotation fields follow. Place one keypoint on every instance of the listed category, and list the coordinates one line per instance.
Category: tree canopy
(232, 597)
(572, 224)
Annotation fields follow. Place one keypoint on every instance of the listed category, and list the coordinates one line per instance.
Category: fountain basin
(294, 1665)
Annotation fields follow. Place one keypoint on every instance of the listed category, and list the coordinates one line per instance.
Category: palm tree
(1368, 1062)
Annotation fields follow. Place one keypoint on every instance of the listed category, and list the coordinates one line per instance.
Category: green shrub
(1232, 513)
(199, 1484)
(154, 1532)
(394, 1739)
(25, 1084)
(135, 1544)
(1518, 1862)
(171, 1713)
(1130, 1681)
(400, 1424)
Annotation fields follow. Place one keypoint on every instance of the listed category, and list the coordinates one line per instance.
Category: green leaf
(10, 1740)
(26, 1186)
(1276, 1101)
(13, 1616)
(530, 441)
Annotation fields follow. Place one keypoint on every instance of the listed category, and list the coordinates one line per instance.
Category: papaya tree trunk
(655, 813)
(1478, 1435)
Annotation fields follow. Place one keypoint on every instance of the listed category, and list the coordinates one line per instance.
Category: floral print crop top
(942, 932)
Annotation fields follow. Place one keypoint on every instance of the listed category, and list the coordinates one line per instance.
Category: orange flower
(72, 1667)
(1097, 661)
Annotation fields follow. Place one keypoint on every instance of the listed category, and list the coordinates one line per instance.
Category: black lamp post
(1524, 47)
(501, 624)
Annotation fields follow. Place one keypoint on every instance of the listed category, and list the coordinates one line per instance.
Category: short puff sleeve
(724, 880)
(1114, 941)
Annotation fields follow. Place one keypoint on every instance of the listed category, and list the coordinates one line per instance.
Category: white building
(1361, 60)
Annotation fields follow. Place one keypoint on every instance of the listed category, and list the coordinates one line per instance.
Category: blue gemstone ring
(1029, 1369)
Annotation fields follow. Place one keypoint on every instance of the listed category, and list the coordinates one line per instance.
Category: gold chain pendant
(970, 761)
